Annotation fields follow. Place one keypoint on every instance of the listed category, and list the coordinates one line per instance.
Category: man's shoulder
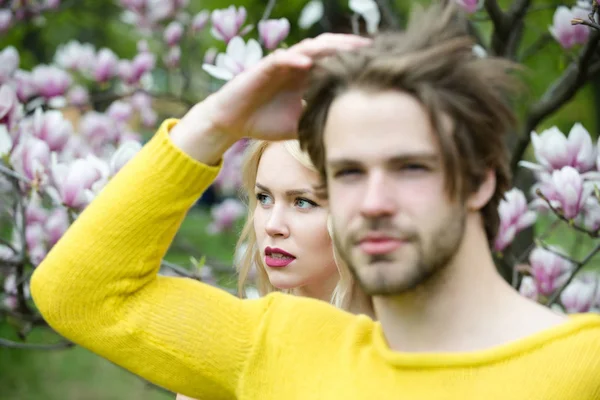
(577, 340)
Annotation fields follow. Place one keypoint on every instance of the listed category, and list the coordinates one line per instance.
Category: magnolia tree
(59, 148)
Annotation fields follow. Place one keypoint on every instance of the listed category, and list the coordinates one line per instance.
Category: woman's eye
(304, 203)
(263, 199)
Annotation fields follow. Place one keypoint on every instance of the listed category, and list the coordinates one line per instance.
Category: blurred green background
(78, 374)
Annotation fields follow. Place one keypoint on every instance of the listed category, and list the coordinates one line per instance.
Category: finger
(329, 44)
(286, 58)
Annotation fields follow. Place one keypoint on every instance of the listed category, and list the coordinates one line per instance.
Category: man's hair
(432, 60)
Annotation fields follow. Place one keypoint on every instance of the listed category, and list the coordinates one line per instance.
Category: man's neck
(465, 307)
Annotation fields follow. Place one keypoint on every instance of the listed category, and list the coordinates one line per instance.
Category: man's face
(393, 221)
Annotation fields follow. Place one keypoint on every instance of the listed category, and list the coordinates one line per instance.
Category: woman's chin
(285, 284)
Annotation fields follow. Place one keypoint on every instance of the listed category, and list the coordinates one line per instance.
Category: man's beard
(434, 253)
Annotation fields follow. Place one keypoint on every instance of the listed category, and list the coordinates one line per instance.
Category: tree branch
(35, 346)
(536, 46)
(12, 174)
(518, 10)
(389, 14)
(591, 24)
(579, 266)
(559, 214)
(268, 10)
(9, 245)
(499, 21)
(179, 270)
(559, 93)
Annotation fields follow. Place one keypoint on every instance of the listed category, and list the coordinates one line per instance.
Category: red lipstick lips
(277, 258)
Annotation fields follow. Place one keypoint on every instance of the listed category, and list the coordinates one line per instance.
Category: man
(407, 133)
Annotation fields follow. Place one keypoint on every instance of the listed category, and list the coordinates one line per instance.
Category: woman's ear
(479, 198)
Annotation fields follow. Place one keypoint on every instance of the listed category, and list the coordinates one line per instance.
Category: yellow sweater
(99, 287)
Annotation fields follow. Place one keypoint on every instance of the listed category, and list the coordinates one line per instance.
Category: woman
(279, 181)
(285, 213)
(99, 286)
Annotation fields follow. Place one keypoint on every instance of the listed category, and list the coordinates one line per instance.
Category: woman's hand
(264, 102)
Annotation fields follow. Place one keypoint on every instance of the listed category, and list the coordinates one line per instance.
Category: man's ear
(479, 198)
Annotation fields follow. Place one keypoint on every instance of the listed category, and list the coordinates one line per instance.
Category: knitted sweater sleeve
(99, 285)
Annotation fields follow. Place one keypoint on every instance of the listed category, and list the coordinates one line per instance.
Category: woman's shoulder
(308, 317)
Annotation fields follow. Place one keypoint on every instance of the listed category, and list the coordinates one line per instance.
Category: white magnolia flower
(311, 14)
(238, 57)
(369, 10)
(5, 141)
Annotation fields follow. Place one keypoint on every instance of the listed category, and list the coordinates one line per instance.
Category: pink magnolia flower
(128, 136)
(76, 147)
(6, 19)
(6, 145)
(35, 213)
(35, 238)
(120, 111)
(24, 85)
(579, 296)
(239, 56)
(142, 46)
(225, 215)
(229, 178)
(469, 6)
(567, 192)
(77, 181)
(9, 62)
(134, 5)
(200, 20)
(75, 56)
(78, 96)
(514, 217)
(105, 66)
(50, 81)
(52, 4)
(132, 71)
(126, 151)
(553, 150)
(10, 286)
(210, 56)
(173, 33)
(591, 214)
(10, 108)
(273, 31)
(528, 288)
(149, 117)
(98, 128)
(226, 23)
(141, 100)
(159, 10)
(172, 57)
(56, 225)
(564, 32)
(548, 269)
(31, 158)
(52, 128)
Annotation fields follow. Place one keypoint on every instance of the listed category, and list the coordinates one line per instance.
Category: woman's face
(291, 225)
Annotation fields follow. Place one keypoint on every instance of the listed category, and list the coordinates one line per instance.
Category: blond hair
(247, 247)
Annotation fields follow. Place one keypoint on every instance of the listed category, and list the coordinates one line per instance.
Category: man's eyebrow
(420, 156)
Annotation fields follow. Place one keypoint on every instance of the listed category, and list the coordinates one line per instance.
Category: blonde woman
(287, 237)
